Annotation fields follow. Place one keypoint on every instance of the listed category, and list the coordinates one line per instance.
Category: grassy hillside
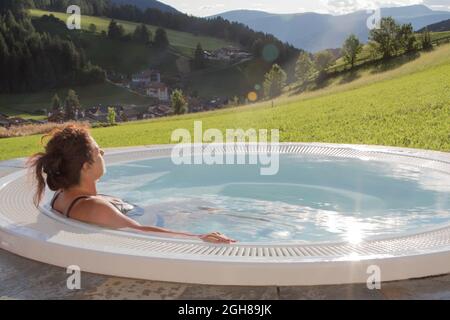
(124, 57)
(439, 35)
(408, 105)
(238, 79)
(185, 42)
(129, 57)
(366, 52)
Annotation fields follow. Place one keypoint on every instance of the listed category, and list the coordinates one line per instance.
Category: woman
(71, 165)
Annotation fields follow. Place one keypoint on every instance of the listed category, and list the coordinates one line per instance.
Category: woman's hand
(216, 237)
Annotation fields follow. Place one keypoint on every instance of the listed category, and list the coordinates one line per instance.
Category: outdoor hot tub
(329, 216)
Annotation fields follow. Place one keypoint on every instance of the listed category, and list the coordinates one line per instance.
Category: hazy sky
(211, 7)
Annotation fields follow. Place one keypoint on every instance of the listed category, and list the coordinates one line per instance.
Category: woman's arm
(104, 214)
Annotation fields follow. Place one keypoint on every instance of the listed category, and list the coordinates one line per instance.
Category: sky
(204, 8)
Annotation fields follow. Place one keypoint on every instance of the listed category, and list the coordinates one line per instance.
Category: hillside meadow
(406, 106)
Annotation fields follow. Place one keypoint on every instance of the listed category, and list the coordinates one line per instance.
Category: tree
(179, 104)
(56, 103)
(92, 28)
(33, 60)
(4, 57)
(304, 67)
(15, 6)
(142, 34)
(351, 48)
(274, 81)
(235, 101)
(214, 27)
(123, 116)
(406, 38)
(161, 40)
(115, 30)
(71, 105)
(426, 40)
(386, 37)
(111, 116)
(199, 57)
(323, 60)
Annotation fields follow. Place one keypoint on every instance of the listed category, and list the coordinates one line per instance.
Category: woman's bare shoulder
(92, 206)
(98, 211)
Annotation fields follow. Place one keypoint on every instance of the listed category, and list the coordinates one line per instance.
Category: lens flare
(252, 96)
(270, 52)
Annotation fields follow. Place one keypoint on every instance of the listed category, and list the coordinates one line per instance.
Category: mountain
(439, 27)
(314, 32)
(147, 4)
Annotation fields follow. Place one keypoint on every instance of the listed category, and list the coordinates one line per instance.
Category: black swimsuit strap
(119, 207)
(55, 197)
(74, 202)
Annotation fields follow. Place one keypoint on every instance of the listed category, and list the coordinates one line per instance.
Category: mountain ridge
(315, 31)
(147, 4)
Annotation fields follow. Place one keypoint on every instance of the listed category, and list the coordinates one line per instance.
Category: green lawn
(186, 42)
(407, 106)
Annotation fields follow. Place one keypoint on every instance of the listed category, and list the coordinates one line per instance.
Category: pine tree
(115, 30)
(199, 57)
(161, 40)
(93, 28)
(32, 61)
(71, 105)
(56, 102)
(142, 34)
(4, 57)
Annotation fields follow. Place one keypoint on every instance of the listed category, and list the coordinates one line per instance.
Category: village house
(88, 118)
(159, 111)
(215, 103)
(98, 114)
(158, 90)
(195, 104)
(129, 114)
(145, 78)
(230, 54)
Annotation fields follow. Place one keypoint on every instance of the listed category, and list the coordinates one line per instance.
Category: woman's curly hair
(59, 167)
